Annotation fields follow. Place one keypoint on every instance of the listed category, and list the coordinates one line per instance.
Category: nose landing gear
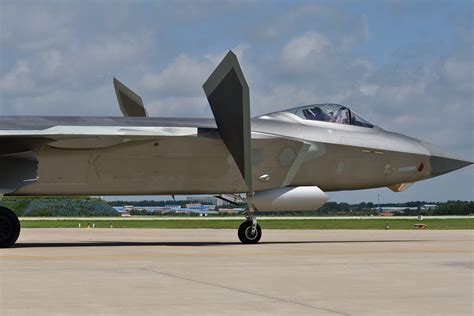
(9, 227)
(250, 231)
(249, 234)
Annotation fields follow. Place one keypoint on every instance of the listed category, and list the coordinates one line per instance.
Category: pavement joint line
(68, 269)
(250, 266)
(313, 274)
(98, 305)
(243, 291)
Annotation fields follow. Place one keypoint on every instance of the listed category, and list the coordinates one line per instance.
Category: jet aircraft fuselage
(135, 156)
(280, 161)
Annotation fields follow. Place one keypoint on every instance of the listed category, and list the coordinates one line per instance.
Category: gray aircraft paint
(202, 164)
(130, 103)
(142, 155)
(228, 94)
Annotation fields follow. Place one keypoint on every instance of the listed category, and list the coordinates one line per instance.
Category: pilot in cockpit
(332, 113)
(342, 116)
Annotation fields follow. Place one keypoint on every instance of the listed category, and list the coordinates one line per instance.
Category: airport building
(191, 208)
(211, 200)
(387, 210)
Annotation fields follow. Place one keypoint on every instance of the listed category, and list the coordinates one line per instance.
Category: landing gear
(249, 231)
(248, 235)
(9, 227)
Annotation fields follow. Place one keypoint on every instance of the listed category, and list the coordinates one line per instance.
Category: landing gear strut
(250, 231)
(9, 227)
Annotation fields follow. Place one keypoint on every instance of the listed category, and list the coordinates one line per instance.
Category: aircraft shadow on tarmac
(190, 244)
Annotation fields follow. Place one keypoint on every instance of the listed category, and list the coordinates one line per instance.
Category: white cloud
(183, 76)
(305, 52)
(52, 62)
(176, 90)
(368, 89)
(291, 21)
(110, 52)
(460, 72)
(179, 106)
(31, 27)
(97, 101)
(58, 59)
(238, 50)
(17, 80)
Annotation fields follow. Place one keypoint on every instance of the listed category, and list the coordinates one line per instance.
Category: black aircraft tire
(245, 233)
(9, 227)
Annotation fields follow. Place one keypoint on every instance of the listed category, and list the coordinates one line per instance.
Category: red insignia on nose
(421, 167)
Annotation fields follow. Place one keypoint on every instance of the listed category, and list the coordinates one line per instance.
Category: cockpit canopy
(332, 113)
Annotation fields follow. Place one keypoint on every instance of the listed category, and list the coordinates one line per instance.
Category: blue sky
(405, 65)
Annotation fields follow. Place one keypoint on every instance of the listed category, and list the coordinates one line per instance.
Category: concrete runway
(207, 272)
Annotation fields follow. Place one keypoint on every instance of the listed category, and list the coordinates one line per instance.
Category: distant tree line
(150, 213)
(447, 208)
(333, 209)
(58, 206)
(150, 203)
(87, 206)
(336, 209)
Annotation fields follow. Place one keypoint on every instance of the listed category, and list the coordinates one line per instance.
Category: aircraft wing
(21, 138)
(227, 92)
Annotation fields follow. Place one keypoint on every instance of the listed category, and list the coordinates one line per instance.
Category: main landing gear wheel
(246, 235)
(9, 227)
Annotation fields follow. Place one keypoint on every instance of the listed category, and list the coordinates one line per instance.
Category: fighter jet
(284, 160)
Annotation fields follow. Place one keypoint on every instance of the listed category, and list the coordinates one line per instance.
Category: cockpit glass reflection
(332, 113)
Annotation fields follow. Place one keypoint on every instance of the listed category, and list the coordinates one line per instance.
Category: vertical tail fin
(228, 94)
(130, 103)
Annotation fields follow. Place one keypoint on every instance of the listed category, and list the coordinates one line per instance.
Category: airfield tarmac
(207, 272)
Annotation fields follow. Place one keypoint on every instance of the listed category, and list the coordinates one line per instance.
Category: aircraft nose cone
(442, 165)
(443, 162)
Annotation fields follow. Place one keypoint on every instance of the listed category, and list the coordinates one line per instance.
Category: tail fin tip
(130, 103)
